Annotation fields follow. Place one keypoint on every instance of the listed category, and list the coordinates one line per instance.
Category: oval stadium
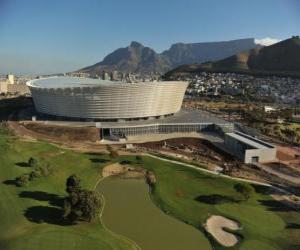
(87, 98)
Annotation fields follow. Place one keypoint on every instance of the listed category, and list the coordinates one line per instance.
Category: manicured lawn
(266, 223)
(30, 216)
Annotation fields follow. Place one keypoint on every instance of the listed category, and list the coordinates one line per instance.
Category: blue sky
(39, 36)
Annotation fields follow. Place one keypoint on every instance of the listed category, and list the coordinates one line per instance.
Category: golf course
(175, 208)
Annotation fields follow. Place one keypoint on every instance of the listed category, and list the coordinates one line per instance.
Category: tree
(32, 162)
(244, 189)
(81, 204)
(138, 158)
(73, 184)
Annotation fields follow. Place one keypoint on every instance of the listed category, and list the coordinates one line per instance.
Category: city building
(10, 79)
(249, 149)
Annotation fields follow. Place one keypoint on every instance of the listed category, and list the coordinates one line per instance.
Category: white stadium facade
(88, 98)
(121, 109)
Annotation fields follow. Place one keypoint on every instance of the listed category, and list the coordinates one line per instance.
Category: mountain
(137, 58)
(282, 58)
(181, 53)
(134, 58)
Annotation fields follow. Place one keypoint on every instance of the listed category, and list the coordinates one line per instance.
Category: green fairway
(30, 216)
(266, 224)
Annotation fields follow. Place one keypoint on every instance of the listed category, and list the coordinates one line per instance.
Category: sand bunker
(127, 171)
(215, 226)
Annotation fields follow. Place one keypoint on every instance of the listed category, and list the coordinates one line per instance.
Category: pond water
(129, 211)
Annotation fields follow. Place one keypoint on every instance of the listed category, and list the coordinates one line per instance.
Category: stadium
(101, 100)
(120, 109)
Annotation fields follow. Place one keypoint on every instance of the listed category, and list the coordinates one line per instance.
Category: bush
(113, 154)
(125, 162)
(32, 162)
(138, 158)
(244, 189)
(22, 180)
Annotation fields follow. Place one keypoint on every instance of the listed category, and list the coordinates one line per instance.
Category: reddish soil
(191, 147)
(65, 133)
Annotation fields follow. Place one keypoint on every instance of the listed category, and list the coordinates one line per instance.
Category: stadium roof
(68, 82)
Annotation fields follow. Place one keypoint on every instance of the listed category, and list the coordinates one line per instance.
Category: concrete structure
(3, 87)
(11, 79)
(21, 89)
(249, 149)
(97, 99)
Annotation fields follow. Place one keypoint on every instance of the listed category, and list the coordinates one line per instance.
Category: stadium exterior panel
(87, 98)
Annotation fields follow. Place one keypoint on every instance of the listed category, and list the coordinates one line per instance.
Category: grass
(30, 215)
(266, 223)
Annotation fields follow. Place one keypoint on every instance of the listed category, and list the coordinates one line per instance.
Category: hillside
(282, 58)
(134, 58)
(137, 58)
(181, 53)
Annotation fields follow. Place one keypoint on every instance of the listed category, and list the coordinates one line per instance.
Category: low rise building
(249, 149)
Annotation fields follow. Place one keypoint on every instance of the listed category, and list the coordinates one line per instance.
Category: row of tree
(38, 171)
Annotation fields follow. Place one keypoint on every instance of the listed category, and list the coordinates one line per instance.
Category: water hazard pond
(129, 211)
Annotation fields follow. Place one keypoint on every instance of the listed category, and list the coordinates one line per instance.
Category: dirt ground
(215, 225)
(127, 171)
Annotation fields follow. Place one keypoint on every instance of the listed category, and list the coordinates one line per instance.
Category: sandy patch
(215, 226)
(127, 171)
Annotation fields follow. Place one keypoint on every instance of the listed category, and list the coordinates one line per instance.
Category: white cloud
(267, 41)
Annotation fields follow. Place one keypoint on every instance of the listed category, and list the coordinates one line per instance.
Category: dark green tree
(81, 204)
(32, 162)
(73, 184)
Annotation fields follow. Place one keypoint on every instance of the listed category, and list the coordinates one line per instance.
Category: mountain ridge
(282, 58)
(137, 58)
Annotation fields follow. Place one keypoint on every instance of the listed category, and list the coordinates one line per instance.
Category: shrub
(22, 180)
(244, 189)
(138, 158)
(32, 162)
(113, 154)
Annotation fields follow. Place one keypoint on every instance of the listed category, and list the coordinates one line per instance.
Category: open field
(30, 216)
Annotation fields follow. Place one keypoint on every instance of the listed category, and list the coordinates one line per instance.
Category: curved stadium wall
(109, 101)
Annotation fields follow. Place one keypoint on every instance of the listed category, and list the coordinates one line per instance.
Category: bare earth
(118, 169)
(215, 225)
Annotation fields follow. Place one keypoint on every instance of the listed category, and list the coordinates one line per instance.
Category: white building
(249, 149)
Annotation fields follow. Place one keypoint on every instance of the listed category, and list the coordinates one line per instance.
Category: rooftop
(251, 141)
(68, 82)
(77, 82)
(184, 116)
